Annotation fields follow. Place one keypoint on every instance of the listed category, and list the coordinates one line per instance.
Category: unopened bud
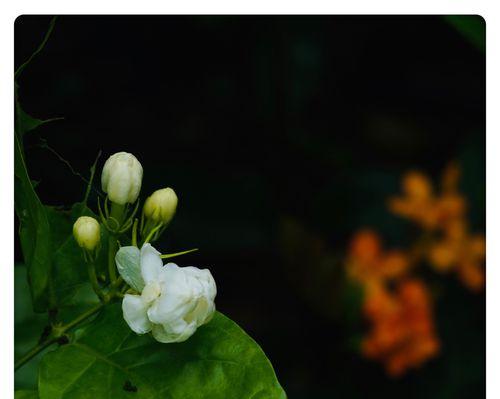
(121, 178)
(87, 232)
(161, 205)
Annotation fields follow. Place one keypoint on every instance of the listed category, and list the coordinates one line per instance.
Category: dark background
(257, 120)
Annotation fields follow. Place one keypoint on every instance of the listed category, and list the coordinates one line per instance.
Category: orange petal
(443, 256)
(472, 276)
(365, 246)
(416, 185)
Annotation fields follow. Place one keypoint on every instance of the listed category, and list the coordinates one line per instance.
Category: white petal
(169, 309)
(202, 313)
(161, 335)
(151, 292)
(151, 263)
(164, 335)
(177, 297)
(135, 314)
(206, 280)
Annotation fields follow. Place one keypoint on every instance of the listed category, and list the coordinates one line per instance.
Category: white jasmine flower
(174, 301)
(87, 232)
(161, 205)
(122, 178)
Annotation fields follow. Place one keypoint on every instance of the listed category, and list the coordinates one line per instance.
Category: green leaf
(34, 232)
(25, 394)
(107, 359)
(34, 229)
(27, 330)
(128, 263)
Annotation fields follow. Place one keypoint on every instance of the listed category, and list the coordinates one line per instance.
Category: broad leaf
(25, 394)
(108, 360)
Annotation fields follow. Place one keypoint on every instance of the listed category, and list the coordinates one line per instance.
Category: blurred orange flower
(368, 262)
(425, 207)
(402, 333)
(462, 251)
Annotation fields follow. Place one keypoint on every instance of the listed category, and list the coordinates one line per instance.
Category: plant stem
(112, 247)
(151, 233)
(134, 233)
(33, 352)
(93, 279)
(167, 256)
(53, 338)
(85, 315)
(116, 214)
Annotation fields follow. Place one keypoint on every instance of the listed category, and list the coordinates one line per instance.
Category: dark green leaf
(108, 360)
(28, 325)
(34, 232)
(27, 330)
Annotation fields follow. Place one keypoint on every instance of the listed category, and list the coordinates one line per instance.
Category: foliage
(108, 359)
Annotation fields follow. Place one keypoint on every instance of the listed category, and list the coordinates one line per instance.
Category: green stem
(54, 337)
(33, 352)
(166, 256)
(112, 248)
(85, 315)
(116, 214)
(151, 233)
(93, 279)
(134, 233)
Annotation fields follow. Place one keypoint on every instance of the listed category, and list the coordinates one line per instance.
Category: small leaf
(128, 263)
(108, 360)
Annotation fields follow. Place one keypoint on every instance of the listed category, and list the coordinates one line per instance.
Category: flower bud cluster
(169, 301)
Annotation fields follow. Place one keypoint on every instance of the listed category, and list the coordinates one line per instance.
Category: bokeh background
(283, 136)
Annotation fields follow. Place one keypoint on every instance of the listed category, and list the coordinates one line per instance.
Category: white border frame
(10, 9)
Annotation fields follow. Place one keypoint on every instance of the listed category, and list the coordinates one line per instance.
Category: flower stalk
(93, 279)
